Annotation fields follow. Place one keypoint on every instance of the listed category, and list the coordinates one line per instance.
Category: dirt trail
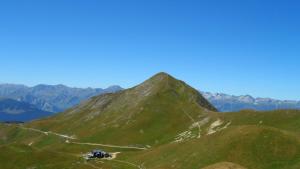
(108, 145)
(36, 130)
(194, 122)
(49, 132)
(80, 143)
(62, 135)
(114, 155)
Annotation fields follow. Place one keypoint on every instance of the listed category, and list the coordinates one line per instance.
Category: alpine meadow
(149, 84)
(161, 123)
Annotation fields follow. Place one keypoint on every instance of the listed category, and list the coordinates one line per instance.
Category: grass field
(161, 124)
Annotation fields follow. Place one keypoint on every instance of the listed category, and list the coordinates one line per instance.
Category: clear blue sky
(233, 46)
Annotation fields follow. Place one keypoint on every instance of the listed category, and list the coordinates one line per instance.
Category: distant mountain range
(17, 111)
(51, 98)
(230, 103)
(57, 98)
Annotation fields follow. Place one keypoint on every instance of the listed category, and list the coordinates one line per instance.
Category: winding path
(108, 145)
(49, 132)
(80, 143)
(194, 121)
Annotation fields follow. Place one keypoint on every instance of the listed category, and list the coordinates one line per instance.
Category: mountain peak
(160, 101)
(162, 76)
(165, 83)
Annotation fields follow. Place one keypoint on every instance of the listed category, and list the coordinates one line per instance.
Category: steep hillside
(154, 112)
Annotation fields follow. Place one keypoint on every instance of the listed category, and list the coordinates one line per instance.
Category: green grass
(154, 113)
(251, 146)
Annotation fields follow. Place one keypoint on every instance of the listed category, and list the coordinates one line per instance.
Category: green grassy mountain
(151, 113)
(160, 124)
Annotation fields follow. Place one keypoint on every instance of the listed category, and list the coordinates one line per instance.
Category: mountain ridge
(52, 98)
(158, 124)
(71, 96)
(232, 103)
(161, 101)
(12, 110)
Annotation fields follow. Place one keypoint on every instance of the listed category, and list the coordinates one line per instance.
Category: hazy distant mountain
(12, 110)
(52, 98)
(56, 98)
(227, 103)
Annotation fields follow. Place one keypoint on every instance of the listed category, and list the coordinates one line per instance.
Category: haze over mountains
(18, 111)
(161, 123)
(231, 103)
(57, 98)
(22, 103)
(52, 98)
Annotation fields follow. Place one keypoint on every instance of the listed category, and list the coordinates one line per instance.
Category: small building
(100, 154)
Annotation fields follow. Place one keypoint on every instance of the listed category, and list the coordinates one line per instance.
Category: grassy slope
(282, 119)
(224, 165)
(256, 140)
(251, 146)
(153, 114)
(46, 152)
